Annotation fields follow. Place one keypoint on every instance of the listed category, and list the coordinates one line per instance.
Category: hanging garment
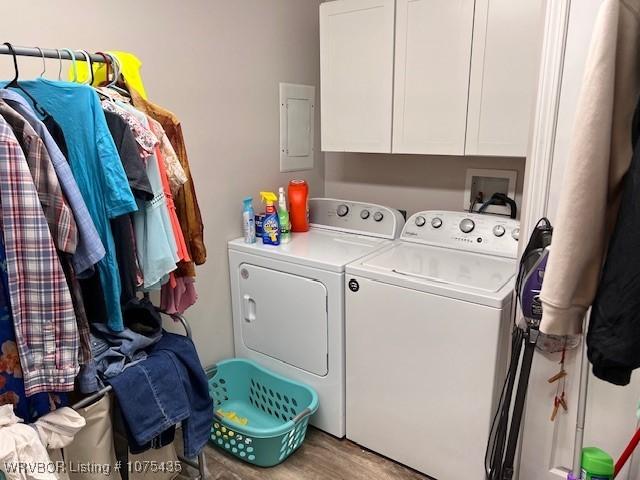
(97, 169)
(61, 222)
(186, 201)
(599, 157)
(613, 339)
(11, 378)
(168, 387)
(93, 445)
(155, 242)
(122, 226)
(174, 171)
(45, 324)
(177, 298)
(181, 247)
(59, 216)
(20, 444)
(145, 139)
(89, 249)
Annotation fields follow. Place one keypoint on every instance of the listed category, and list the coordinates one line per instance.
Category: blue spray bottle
(248, 221)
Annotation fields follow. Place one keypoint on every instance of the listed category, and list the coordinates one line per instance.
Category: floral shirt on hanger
(11, 381)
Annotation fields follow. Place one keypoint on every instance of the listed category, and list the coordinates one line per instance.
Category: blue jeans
(168, 387)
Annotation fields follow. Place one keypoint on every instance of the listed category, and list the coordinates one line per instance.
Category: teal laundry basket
(277, 411)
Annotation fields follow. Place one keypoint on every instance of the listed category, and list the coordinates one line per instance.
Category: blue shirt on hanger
(95, 164)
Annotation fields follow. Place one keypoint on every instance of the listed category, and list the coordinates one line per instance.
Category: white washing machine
(288, 300)
(427, 329)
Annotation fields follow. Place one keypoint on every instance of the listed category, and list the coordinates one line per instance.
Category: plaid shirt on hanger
(59, 216)
(44, 321)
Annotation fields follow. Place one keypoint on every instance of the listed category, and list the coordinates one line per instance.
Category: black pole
(518, 408)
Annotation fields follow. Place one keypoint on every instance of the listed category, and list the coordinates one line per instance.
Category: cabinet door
(433, 53)
(356, 70)
(504, 68)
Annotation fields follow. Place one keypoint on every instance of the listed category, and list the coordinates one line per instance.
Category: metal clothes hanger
(59, 65)
(73, 59)
(14, 83)
(44, 64)
(89, 80)
(116, 76)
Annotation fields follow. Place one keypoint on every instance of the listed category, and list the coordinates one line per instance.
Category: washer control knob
(436, 222)
(515, 233)
(498, 230)
(342, 210)
(420, 221)
(364, 214)
(467, 225)
(378, 216)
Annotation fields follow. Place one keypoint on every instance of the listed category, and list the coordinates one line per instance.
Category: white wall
(217, 65)
(408, 182)
(611, 418)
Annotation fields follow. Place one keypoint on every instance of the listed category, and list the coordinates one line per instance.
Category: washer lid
(316, 248)
(443, 266)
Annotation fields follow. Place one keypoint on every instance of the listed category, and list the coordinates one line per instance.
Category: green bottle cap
(597, 462)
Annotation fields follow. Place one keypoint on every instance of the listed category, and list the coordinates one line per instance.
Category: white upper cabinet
(504, 78)
(432, 61)
(356, 64)
(435, 77)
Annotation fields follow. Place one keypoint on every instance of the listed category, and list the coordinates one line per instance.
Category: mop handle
(627, 453)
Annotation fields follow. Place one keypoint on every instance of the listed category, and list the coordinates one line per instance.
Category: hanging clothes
(61, 222)
(89, 248)
(183, 254)
(186, 200)
(11, 378)
(122, 226)
(614, 329)
(98, 172)
(45, 324)
(157, 248)
(599, 157)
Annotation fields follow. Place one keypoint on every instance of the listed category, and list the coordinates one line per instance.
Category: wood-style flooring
(321, 457)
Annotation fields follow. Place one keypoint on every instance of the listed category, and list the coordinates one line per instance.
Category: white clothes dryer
(288, 300)
(427, 328)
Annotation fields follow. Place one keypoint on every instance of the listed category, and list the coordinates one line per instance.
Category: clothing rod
(49, 53)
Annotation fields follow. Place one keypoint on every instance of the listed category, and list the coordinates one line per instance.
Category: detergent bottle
(597, 464)
(270, 224)
(299, 205)
(283, 217)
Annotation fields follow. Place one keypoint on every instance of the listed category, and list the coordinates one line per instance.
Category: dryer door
(284, 316)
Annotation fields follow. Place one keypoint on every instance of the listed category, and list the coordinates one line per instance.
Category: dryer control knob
(467, 225)
(436, 222)
(498, 230)
(420, 221)
(378, 216)
(515, 233)
(364, 214)
(342, 210)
